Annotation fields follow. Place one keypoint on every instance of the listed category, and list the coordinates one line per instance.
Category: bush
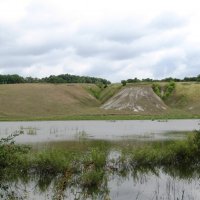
(165, 91)
(10, 153)
(123, 82)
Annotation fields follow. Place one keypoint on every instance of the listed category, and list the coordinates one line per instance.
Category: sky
(112, 39)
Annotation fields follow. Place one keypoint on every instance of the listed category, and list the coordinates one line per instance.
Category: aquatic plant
(172, 154)
(89, 168)
(10, 153)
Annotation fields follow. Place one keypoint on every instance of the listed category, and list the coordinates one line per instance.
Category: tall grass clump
(175, 153)
(11, 154)
(54, 161)
(93, 167)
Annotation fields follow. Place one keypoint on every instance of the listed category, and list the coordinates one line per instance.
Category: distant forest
(63, 78)
(186, 79)
(68, 78)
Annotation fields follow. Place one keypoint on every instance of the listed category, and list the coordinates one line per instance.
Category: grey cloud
(50, 59)
(125, 31)
(14, 45)
(168, 20)
(193, 61)
(107, 48)
(173, 65)
(121, 31)
(121, 41)
(165, 68)
(90, 46)
(104, 49)
(7, 35)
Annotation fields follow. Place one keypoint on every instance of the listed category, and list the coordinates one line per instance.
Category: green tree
(123, 82)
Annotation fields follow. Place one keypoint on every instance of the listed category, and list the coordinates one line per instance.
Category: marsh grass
(172, 153)
(88, 167)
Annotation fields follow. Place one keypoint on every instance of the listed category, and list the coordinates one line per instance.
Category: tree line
(62, 78)
(186, 79)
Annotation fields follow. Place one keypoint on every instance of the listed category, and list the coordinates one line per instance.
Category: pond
(116, 180)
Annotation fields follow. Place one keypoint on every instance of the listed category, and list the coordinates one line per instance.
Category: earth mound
(136, 99)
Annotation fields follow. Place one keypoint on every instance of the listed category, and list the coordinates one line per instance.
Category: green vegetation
(186, 79)
(185, 98)
(164, 91)
(177, 115)
(103, 93)
(94, 155)
(62, 78)
(123, 82)
(173, 153)
(86, 165)
(68, 78)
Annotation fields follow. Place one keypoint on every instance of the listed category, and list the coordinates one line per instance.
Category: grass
(45, 100)
(171, 153)
(173, 114)
(185, 98)
(103, 94)
(26, 102)
(93, 155)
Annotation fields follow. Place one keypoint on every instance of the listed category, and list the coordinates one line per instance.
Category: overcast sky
(113, 39)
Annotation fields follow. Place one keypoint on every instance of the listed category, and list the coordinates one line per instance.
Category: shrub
(165, 91)
(123, 82)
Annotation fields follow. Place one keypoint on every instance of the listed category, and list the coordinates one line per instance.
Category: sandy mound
(136, 99)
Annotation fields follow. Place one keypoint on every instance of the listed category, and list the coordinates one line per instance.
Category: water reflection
(114, 183)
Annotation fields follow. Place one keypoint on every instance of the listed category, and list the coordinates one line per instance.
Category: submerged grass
(95, 154)
(172, 153)
(88, 167)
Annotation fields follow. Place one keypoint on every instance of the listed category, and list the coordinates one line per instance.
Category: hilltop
(78, 101)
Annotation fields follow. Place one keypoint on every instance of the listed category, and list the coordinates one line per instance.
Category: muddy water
(45, 131)
(154, 184)
(151, 186)
(157, 185)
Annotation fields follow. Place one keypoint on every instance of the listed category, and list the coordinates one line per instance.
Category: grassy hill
(71, 101)
(45, 100)
(185, 98)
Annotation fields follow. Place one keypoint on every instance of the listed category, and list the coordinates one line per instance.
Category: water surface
(45, 131)
(137, 184)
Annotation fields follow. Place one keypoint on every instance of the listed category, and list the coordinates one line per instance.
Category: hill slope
(60, 101)
(185, 98)
(43, 100)
(138, 99)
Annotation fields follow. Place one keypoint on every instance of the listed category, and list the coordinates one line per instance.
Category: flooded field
(106, 160)
(45, 131)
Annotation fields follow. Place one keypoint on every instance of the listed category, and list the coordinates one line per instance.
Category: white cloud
(112, 39)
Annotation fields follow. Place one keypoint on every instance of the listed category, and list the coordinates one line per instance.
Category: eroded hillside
(138, 99)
